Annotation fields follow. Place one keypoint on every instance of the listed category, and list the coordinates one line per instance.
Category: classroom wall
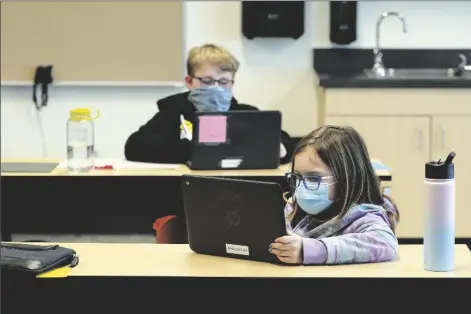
(275, 74)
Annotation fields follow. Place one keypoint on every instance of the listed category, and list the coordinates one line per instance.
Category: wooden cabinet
(405, 129)
(402, 143)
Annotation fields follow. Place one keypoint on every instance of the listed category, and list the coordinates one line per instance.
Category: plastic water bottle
(439, 236)
(80, 140)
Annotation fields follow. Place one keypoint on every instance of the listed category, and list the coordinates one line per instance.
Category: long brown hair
(344, 151)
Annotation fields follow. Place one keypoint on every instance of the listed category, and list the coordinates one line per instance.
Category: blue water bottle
(439, 236)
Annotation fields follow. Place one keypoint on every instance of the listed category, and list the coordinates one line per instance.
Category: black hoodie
(159, 140)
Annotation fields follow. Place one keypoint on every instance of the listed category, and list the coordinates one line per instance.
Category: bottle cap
(79, 114)
(441, 170)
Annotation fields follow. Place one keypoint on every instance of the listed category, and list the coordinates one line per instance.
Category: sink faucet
(378, 67)
(463, 66)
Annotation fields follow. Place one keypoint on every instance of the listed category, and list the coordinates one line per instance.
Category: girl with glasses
(336, 213)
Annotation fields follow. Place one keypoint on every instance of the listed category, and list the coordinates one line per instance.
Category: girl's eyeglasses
(311, 182)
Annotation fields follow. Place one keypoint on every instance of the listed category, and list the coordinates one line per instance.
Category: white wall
(275, 74)
(431, 24)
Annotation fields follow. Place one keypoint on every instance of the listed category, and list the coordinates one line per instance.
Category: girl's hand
(288, 248)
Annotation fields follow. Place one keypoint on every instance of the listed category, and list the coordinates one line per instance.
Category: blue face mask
(313, 202)
(211, 98)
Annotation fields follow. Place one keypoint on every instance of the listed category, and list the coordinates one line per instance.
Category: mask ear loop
(286, 196)
(291, 200)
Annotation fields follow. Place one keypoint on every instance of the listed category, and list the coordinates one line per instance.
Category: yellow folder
(61, 272)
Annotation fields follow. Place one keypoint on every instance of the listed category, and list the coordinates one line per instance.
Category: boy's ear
(189, 82)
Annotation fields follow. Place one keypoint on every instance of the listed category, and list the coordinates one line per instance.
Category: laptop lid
(232, 217)
(29, 167)
(236, 140)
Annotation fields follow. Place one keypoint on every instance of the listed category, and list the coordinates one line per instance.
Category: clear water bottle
(439, 236)
(80, 140)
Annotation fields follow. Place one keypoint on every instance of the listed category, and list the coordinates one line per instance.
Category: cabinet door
(403, 144)
(454, 134)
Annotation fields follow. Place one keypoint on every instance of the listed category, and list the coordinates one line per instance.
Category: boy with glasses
(210, 77)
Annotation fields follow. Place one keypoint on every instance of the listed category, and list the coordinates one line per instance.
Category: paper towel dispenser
(279, 19)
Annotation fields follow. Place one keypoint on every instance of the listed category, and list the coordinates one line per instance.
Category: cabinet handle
(419, 139)
(442, 138)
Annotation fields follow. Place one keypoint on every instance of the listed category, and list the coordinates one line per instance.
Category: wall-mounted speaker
(343, 22)
(273, 19)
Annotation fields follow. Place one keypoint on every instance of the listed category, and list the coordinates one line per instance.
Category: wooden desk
(181, 170)
(170, 278)
(177, 260)
(103, 201)
(119, 278)
(384, 175)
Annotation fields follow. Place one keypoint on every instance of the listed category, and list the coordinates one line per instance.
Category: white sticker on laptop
(237, 249)
(231, 162)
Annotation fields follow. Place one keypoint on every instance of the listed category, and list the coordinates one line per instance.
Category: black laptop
(236, 140)
(233, 218)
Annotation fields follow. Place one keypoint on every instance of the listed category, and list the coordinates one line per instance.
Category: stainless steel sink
(424, 74)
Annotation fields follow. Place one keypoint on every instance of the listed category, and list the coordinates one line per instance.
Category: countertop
(363, 81)
(344, 68)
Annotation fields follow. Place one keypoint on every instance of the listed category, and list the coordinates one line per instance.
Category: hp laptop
(233, 218)
(236, 140)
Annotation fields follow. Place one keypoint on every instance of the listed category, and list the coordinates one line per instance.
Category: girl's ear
(288, 198)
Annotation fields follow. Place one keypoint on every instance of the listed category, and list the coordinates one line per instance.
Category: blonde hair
(210, 54)
(344, 151)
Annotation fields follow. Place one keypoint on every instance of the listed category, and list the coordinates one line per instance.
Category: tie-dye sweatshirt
(363, 235)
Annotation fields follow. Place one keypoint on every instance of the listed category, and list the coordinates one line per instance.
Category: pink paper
(212, 129)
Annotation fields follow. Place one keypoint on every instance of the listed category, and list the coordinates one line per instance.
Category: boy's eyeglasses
(311, 182)
(209, 81)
